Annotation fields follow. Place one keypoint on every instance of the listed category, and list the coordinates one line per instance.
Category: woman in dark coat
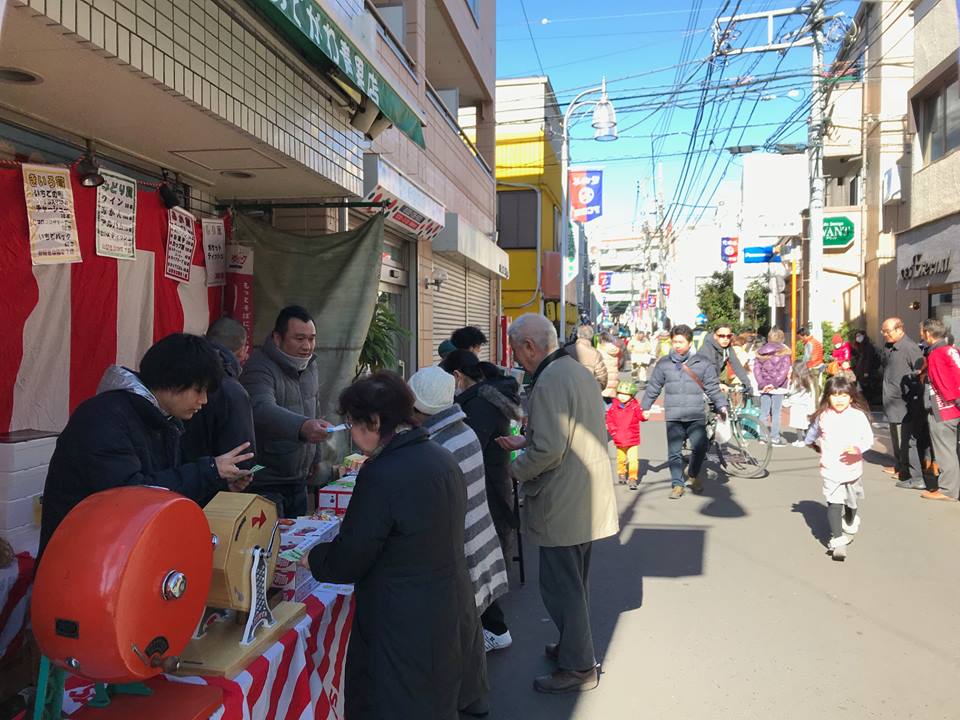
(401, 544)
(490, 399)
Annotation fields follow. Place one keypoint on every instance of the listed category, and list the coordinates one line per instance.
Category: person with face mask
(283, 381)
(866, 364)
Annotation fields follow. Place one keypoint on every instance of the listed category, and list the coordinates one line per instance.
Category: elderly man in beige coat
(567, 484)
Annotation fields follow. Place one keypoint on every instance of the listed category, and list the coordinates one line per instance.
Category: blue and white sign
(758, 254)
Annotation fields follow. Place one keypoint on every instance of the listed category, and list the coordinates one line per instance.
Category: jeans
(677, 431)
(771, 404)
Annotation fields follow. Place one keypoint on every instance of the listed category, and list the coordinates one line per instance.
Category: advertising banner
(50, 215)
(238, 298)
(729, 248)
(181, 241)
(758, 254)
(604, 278)
(586, 194)
(214, 249)
(116, 216)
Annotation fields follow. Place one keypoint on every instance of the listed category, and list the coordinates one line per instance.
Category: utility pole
(808, 36)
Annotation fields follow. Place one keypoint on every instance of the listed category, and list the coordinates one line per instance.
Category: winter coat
(772, 367)
(813, 353)
(401, 545)
(565, 468)
(943, 378)
(611, 353)
(835, 432)
(641, 351)
(623, 422)
(490, 406)
(283, 399)
(802, 404)
(588, 356)
(120, 437)
(719, 357)
(902, 361)
(488, 572)
(225, 422)
(683, 397)
(842, 352)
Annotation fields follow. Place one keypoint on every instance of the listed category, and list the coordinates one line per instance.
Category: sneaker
(779, 442)
(838, 547)
(633, 485)
(911, 484)
(798, 444)
(677, 492)
(492, 641)
(621, 479)
(695, 485)
(852, 528)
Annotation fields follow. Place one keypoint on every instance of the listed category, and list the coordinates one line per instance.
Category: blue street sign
(758, 254)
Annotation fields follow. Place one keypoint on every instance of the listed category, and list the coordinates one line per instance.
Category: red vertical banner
(238, 298)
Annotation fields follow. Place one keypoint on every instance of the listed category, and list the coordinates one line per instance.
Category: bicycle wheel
(748, 452)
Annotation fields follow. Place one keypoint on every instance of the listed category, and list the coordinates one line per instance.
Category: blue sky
(638, 45)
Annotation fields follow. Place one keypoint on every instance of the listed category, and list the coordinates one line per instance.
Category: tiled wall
(222, 62)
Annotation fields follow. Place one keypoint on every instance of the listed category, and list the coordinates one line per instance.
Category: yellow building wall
(529, 159)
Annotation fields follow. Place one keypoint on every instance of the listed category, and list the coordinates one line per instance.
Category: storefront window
(941, 308)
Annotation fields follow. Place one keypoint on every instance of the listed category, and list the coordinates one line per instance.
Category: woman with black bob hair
(401, 545)
(490, 400)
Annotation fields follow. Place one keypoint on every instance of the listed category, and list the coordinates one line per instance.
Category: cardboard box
(293, 581)
(22, 483)
(25, 449)
(336, 496)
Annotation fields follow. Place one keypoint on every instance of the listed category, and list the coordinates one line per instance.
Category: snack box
(335, 497)
(296, 539)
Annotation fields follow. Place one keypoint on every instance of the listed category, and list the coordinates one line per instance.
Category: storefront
(928, 263)
(467, 270)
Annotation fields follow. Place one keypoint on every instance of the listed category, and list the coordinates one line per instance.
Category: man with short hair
(283, 381)
(568, 492)
(812, 350)
(227, 419)
(129, 433)
(685, 378)
(716, 349)
(942, 397)
(469, 338)
(583, 351)
(902, 402)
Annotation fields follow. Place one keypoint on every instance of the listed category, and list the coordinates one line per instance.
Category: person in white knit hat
(436, 412)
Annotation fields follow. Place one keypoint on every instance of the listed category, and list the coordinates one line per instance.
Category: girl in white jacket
(840, 431)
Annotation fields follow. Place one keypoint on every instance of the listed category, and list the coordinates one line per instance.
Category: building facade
(289, 107)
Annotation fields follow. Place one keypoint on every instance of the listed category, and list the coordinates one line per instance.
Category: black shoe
(912, 484)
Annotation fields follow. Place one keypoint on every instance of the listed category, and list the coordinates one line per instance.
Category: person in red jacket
(623, 423)
(942, 396)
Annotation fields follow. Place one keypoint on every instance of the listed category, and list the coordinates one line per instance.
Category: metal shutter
(479, 311)
(450, 301)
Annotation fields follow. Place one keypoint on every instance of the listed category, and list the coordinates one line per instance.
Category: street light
(605, 130)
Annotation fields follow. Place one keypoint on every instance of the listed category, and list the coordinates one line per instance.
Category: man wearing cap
(445, 348)
(436, 412)
(568, 493)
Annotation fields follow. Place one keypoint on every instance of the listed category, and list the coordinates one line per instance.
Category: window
(940, 122)
(517, 219)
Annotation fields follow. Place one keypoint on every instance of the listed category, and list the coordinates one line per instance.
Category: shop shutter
(450, 301)
(479, 311)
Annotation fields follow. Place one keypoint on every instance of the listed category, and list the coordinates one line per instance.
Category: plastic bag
(723, 432)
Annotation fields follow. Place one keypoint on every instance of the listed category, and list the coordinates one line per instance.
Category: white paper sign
(181, 241)
(50, 215)
(117, 216)
(214, 246)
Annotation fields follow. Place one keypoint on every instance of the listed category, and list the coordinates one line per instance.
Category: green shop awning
(307, 25)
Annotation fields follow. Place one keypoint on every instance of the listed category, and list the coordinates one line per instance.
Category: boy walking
(623, 423)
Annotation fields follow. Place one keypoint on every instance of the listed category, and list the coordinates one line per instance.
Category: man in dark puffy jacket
(716, 348)
(227, 419)
(129, 433)
(685, 378)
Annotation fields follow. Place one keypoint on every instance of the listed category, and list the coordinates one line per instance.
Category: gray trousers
(563, 587)
(906, 456)
(944, 437)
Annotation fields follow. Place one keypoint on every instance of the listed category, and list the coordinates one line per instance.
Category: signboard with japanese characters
(604, 277)
(117, 216)
(238, 296)
(181, 241)
(729, 248)
(50, 215)
(214, 248)
(665, 289)
(586, 195)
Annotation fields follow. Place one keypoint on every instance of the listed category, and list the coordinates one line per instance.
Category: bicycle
(747, 453)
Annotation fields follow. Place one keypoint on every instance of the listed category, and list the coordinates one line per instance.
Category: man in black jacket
(716, 349)
(226, 421)
(903, 402)
(129, 433)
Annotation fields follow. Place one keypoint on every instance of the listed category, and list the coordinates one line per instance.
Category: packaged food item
(297, 537)
(335, 497)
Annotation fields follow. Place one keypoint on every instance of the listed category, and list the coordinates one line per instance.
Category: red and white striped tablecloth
(299, 677)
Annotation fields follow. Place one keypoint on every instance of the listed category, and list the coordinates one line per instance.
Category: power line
(533, 42)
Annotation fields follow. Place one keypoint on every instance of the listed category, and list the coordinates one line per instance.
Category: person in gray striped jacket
(443, 419)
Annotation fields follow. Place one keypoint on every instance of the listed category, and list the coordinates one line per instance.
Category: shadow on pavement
(815, 515)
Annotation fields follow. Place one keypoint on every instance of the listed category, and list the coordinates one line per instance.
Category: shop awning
(309, 28)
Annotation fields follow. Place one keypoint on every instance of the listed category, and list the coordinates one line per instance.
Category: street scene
(446, 359)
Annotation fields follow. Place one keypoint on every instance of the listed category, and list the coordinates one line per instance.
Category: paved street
(727, 606)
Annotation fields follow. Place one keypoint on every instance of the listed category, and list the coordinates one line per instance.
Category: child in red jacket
(623, 423)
